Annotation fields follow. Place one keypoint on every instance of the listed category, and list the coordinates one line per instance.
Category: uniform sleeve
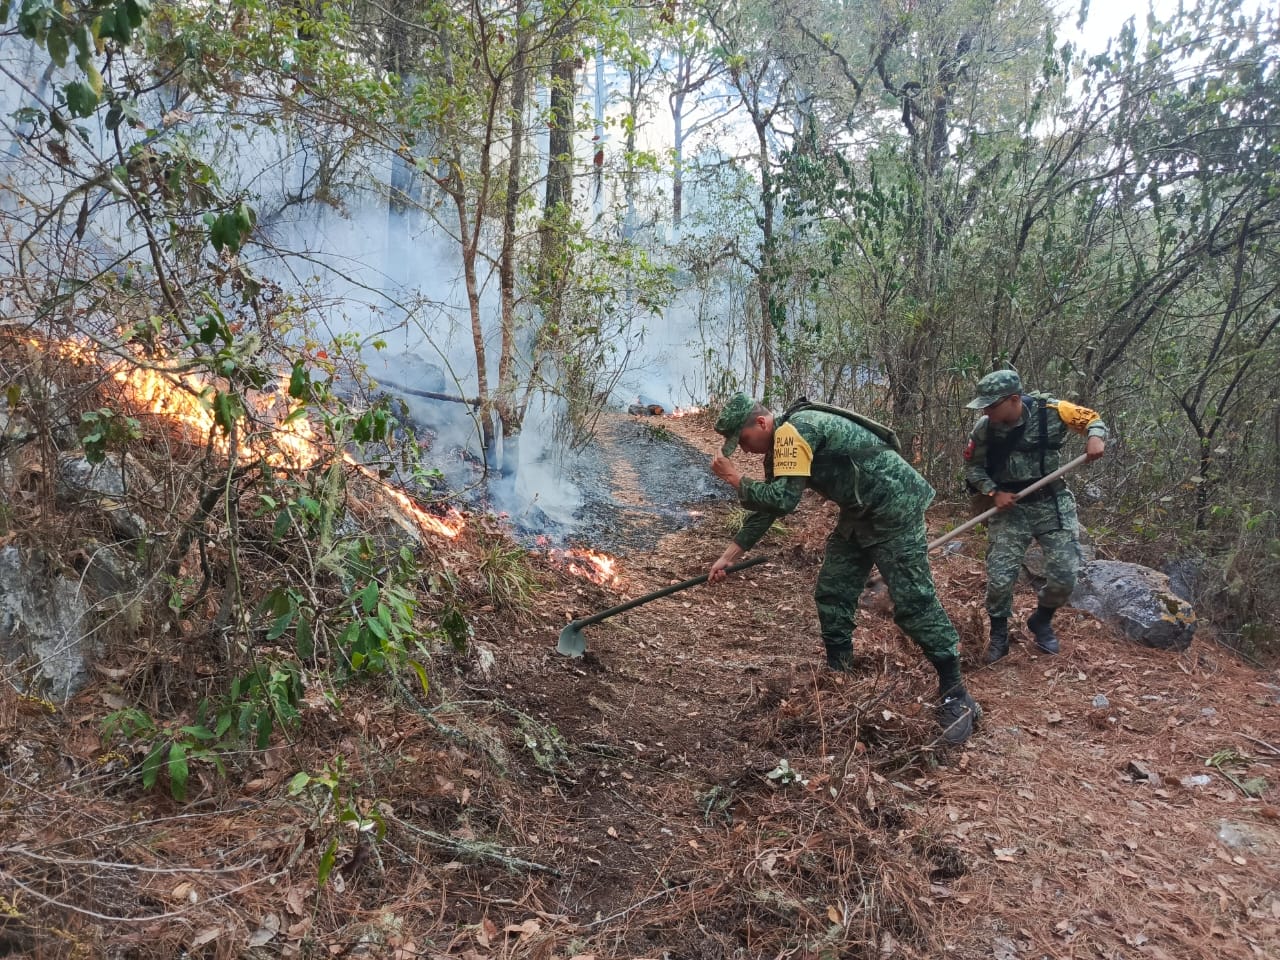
(1081, 420)
(767, 501)
(792, 454)
(975, 459)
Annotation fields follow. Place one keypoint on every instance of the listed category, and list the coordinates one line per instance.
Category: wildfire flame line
(289, 442)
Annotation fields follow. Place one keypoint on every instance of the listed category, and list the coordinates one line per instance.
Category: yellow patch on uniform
(792, 455)
(1075, 417)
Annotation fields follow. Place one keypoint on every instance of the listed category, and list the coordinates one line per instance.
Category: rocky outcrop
(44, 623)
(107, 485)
(1138, 601)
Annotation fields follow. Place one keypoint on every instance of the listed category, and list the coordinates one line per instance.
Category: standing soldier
(854, 462)
(1016, 442)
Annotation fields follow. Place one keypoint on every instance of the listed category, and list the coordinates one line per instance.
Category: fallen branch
(478, 850)
(399, 388)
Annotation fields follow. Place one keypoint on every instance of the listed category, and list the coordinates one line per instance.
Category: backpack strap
(886, 434)
(998, 454)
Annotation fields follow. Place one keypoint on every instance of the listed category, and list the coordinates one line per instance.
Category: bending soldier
(853, 462)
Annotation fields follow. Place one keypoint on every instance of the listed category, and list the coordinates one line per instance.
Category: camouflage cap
(734, 416)
(994, 387)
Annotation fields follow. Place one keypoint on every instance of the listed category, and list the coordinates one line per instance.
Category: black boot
(840, 657)
(957, 715)
(958, 712)
(998, 648)
(1041, 627)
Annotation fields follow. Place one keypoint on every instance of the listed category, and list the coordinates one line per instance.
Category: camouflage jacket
(878, 492)
(1010, 457)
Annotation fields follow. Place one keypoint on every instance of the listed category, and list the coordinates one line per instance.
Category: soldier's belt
(1035, 496)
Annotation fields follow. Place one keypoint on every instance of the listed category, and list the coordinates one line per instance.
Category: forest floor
(697, 786)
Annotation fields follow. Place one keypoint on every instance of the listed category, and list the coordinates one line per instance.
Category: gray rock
(1138, 601)
(116, 477)
(106, 485)
(1100, 702)
(44, 625)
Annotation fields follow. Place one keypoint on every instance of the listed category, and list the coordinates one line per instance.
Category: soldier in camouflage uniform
(1016, 442)
(853, 462)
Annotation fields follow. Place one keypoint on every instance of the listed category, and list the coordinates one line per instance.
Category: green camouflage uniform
(882, 502)
(1048, 515)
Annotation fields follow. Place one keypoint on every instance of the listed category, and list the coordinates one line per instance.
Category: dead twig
(478, 850)
(1262, 743)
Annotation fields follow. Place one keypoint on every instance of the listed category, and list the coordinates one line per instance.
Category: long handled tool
(988, 514)
(1030, 488)
(573, 644)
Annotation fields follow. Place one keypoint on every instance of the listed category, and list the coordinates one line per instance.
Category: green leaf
(226, 410)
(178, 771)
(83, 40)
(151, 765)
(135, 11)
(421, 671)
(299, 783)
(281, 526)
(58, 47)
(281, 624)
(299, 381)
(95, 79)
(326, 862)
(305, 639)
(81, 100)
(264, 729)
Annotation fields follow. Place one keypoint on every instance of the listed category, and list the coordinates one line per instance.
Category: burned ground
(694, 787)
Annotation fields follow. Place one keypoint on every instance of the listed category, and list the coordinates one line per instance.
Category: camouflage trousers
(903, 561)
(1053, 523)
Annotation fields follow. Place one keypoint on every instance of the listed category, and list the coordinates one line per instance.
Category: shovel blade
(571, 643)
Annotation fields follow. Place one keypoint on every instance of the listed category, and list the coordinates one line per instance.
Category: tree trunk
(508, 413)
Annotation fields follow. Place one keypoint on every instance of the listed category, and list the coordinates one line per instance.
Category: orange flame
(679, 412)
(590, 564)
(449, 526)
(289, 442)
(186, 399)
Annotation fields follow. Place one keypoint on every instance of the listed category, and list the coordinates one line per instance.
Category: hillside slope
(695, 787)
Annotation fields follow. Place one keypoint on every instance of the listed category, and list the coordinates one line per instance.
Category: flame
(289, 441)
(448, 526)
(679, 412)
(163, 388)
(590, 564)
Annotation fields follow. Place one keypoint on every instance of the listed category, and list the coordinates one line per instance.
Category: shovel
(573, 644)
(988, 514)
